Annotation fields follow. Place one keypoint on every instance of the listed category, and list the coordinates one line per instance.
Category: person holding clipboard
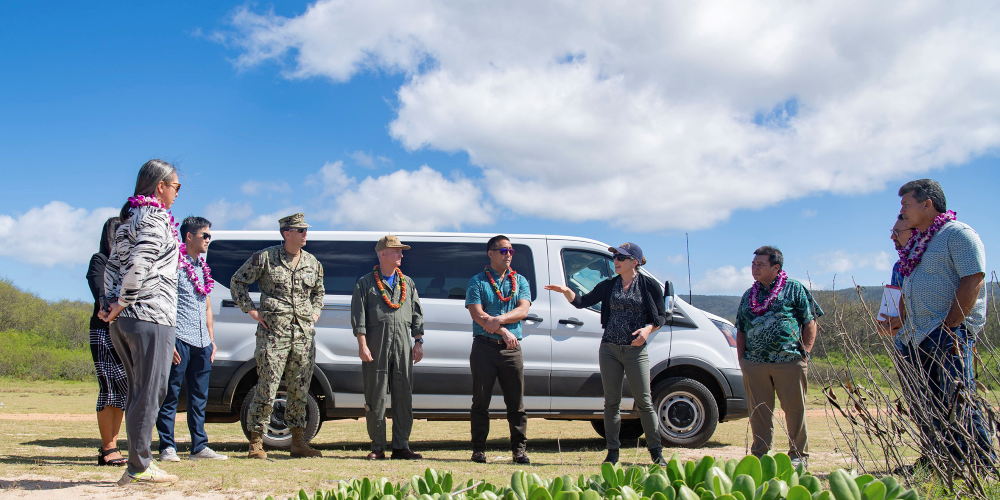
(889, 311)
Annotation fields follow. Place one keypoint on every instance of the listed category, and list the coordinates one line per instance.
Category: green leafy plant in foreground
(771, 477)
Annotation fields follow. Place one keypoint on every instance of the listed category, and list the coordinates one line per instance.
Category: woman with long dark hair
(107, 365)
(140, 284)
(632, 308)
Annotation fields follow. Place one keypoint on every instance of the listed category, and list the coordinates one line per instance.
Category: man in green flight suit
(385, 312)
(291, 298)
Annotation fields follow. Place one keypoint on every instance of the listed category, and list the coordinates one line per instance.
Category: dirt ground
(49, 441)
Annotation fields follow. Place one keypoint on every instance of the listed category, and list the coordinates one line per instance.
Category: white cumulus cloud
(254, 188)
(54, 234)
(840, 261)
(685, 111)
(265, 222)
(724, 280)
(419, 200)
(221, 212)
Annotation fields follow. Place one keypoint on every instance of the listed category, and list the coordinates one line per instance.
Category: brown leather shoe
(257, 446)
(405, 454)
(376, 455)
(300, 448)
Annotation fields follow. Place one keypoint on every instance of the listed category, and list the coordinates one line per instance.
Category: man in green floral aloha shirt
(776, 330)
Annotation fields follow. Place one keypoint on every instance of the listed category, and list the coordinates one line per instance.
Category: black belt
(491, 340)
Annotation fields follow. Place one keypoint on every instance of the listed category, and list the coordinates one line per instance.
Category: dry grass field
(48, 444)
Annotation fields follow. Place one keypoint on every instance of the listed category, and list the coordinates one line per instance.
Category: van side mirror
(668, 297)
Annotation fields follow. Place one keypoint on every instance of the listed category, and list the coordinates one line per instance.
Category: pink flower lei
(182, 261)
(918, 243)
(758, 308)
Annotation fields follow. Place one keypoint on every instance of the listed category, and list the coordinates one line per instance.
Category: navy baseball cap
(630, 249)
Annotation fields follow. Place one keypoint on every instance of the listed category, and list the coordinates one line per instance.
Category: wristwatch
(419, 341)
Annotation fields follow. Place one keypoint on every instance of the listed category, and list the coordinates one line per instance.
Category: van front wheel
(687, 412)
(277, 435)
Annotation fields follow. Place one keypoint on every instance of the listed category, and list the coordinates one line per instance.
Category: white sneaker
(800, 461)
(169, 455)
(148, 476)
(207, 453)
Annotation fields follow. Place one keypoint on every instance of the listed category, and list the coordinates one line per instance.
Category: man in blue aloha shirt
(498, 299)
(776, 330)
(944, 309)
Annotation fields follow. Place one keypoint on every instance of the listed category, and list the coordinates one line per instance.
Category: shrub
(770, 477)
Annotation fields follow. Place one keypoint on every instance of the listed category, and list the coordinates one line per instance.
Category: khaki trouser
(788, 380)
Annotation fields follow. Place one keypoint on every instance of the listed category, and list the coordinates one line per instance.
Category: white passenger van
(695, 376)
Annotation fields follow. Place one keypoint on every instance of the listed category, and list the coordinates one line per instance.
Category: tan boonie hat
(390, 241)
(293, 221)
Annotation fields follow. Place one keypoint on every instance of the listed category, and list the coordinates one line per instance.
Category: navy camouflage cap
(293, 221)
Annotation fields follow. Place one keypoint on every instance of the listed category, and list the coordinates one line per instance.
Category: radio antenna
(688, 243)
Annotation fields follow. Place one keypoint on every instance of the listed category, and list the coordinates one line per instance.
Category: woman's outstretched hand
(569, 294)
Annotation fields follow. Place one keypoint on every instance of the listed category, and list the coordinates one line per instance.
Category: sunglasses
(505, 251)
(620, 257)
(175, 185)
(299, 230)
(206, 236)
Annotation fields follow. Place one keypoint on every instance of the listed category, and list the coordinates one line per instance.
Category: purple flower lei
(202, 289)
(918, 243)
(779, 284)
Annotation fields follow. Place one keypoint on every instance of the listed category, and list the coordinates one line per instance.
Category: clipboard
(889, 308)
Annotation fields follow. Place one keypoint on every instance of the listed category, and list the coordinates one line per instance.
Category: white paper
(890, 303)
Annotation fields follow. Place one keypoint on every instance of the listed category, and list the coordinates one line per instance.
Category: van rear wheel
(277, 434)
(687, 412)
(631, 428)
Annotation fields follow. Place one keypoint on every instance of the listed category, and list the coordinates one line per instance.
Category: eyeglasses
(760, 264)
(620, 257)
(895, 232)
(206, 236)
(504, 251)
(175, 185)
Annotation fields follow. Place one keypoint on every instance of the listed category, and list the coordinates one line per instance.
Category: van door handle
(571, 321)
(533, 317)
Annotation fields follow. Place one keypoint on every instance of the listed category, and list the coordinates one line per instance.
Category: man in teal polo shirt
(498, 299)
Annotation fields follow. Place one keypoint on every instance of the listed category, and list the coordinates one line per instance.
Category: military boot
(300, 448)
(257, 446)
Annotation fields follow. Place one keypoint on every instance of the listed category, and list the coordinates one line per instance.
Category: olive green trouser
(617, 362)
(788, 380)
(394, 377)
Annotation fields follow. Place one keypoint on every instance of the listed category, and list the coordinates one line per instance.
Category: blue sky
(521, 123)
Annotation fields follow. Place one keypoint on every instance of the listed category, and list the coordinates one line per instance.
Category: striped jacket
(141, 273)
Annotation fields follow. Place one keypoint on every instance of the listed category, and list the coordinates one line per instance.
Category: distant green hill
(726, 305)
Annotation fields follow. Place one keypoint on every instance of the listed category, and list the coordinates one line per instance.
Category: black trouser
(491, 360)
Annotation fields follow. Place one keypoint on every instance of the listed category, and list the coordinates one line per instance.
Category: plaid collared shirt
(192, 318)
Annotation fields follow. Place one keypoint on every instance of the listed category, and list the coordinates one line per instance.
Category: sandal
(113, 462)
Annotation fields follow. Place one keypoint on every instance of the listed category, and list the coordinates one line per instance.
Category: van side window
(225, 257)
(584, 270)
(443, 270)
(440, 270)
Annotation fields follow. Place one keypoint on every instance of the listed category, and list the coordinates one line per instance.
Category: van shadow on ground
(231, 446)
(35, 485)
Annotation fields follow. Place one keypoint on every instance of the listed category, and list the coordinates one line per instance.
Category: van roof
(224, 234)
